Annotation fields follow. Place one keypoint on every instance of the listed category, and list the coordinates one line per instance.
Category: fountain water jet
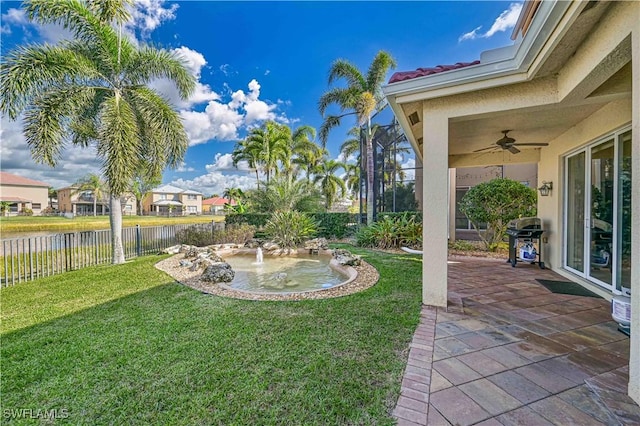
(259, 257)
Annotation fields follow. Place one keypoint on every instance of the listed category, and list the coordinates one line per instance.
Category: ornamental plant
(496, 203)
(290, 228)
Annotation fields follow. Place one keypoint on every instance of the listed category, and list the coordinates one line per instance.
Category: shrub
(330, 225)
(392, 232)
(258, 220)
(288, 229)
(202, 236)
(26, 212)
(496, 203)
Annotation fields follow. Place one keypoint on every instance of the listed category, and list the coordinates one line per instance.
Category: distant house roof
(14, 199)
(170, 189)
(11, 179)
(189, 191)
(218, 201)
(422, 72)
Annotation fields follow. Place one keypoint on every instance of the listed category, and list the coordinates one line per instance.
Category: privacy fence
(25, 259)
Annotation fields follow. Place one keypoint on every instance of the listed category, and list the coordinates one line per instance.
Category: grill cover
(525, 223)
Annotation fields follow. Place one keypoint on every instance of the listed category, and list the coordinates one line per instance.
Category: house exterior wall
(39, 196)
(191, 204)
(68, 201)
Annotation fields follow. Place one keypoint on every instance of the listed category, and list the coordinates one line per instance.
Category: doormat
(567, 287)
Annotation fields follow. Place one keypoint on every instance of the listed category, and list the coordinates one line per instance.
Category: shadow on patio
(507, 351)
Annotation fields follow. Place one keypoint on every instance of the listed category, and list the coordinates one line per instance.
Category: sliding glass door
(598, 212)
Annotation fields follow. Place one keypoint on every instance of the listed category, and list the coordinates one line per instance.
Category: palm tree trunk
(370, 189)
(115, 219)
(95, 204)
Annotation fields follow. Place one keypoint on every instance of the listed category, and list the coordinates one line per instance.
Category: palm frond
(110, 10)
(343, 98)
(378, 69)
(149, 63)
(342, 68)
(46, 121)
(32, 69)
(328, 124)
(118, 143)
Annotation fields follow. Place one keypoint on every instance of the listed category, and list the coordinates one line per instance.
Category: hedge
(330, 225)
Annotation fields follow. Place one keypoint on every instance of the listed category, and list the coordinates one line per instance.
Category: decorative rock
(270, 246)
(254, 243)
(172, 250)
(185, 263)
(345, 257)
(316, 244)
(218, 272)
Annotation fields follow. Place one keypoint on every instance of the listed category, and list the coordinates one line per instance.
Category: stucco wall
(36, 194)
(551, 168)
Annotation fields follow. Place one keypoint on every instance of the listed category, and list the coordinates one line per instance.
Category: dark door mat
(567, 287)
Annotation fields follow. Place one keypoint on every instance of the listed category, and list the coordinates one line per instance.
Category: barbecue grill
(524, 237)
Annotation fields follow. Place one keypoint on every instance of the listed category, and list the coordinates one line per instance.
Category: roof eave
(509, 70)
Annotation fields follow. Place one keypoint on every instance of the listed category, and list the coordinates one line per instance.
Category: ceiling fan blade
(513, 150)
(485, 149)
(532, 144)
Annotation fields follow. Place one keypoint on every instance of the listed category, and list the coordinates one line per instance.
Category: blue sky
(265, 60)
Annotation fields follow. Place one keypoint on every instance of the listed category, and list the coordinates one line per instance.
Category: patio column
(435, 209)
(634, 350)
(452, 204)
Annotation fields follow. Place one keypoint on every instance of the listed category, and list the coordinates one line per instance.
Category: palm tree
(283, 193)
(309, 160)
(233, 194)
(300, 143)
(352, 145)
(96, 186)
(52, 193)
(249, 152)
(352, 178)
(141, 186)
(361, 97)
(92, 91)
(330, 184)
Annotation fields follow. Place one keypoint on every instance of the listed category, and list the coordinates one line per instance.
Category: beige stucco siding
(37, 196)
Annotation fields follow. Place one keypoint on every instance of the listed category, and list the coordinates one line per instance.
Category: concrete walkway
(507, 351)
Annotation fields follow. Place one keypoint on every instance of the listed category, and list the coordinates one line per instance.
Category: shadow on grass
(171, 355)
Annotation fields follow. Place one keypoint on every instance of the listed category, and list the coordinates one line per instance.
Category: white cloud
(409, 169)
(224, 162)
(350, 159)
(505, 21)
(223, 121)
(147, 15)
(183, 168)
(215, 182)
(13, 16)
(16, 158)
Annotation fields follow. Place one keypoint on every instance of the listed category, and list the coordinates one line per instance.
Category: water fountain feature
(259, 256)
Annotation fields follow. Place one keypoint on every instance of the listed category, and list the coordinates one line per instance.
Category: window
(36, 206)
(192, 209)
(163, 196)
(192, 197)
(128, 207)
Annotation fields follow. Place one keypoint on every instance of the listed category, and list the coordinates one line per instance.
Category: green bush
(288, 229)
(330, 225)
(496, 203)
(26, 212)
(200, 236)
(392, 232)
(259, 220)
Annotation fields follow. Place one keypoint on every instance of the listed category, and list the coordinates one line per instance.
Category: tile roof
(217, 201)
(170, 189)
(11, 179)
(422, 72)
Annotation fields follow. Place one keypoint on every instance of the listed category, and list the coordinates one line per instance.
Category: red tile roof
(218, 201)
(11, 179)
(422, 72)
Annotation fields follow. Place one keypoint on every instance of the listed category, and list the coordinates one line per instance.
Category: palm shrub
(290, 228)
(391, 232)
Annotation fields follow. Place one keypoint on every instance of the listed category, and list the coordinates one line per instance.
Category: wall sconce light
(546, 188)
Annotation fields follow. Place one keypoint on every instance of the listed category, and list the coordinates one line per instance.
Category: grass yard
(127, 345)
(82, 223)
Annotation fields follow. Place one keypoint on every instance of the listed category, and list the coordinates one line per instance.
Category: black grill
(524, 241)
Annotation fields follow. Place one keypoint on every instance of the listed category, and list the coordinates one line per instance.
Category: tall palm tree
(92, 91)
(244, 150)
(141, 186)
(300, 142)
(361, 97)
(96, 186)
(352, 178)
(268, 145)
(330, 183)
(309, 160)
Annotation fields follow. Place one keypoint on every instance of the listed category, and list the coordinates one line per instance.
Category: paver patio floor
(507, 351)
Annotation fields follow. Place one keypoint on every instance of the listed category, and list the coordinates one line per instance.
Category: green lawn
(80, 223)
(126, 345)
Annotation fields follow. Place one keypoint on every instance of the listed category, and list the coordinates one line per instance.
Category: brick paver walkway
(507, 351)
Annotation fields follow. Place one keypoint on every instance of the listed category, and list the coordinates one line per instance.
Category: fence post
(138, 241)
(68, 248)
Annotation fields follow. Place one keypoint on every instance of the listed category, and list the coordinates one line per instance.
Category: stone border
(365, 277)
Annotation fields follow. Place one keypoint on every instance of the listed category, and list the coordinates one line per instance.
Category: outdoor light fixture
(546, 188)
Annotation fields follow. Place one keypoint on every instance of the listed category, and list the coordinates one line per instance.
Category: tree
(5, 207)
(361, 97)
(405, 198)
(496, 203)
(270, 142)
(299, 144)
(141, 186)
(283, 193)
(92, 91)
(52, 193)
(330, 184)
(96, 186)
(352, 178)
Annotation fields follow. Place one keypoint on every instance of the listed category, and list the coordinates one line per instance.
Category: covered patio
(507, 351)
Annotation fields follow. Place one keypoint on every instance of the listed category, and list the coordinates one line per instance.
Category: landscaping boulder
(316, 244)
(270, 246)
(186, 263)
(345, 257)
(218, 272)
(172, 250)
(254, 243)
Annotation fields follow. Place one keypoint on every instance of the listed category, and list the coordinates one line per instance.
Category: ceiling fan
(509, 144)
